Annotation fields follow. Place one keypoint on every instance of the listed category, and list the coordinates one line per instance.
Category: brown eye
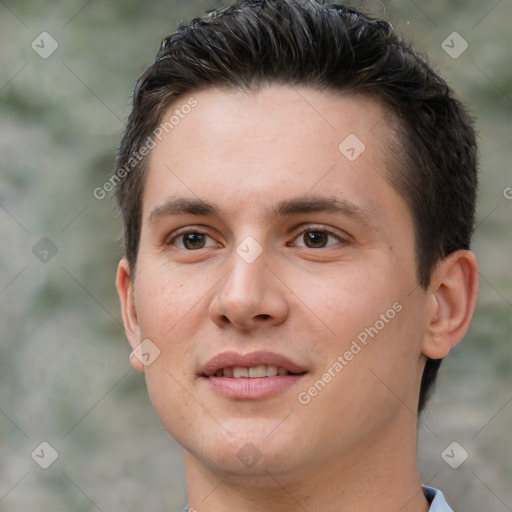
(315, 239)
(193, 240)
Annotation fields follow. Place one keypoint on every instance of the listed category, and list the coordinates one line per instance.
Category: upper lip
(234, 359)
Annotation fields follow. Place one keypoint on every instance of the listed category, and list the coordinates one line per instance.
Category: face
(271, 243)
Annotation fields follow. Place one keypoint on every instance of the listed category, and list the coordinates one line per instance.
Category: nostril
(263, 316)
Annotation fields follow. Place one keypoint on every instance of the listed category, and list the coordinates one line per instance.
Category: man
(297, 189)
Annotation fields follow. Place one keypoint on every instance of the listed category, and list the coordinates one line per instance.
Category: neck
(377, 476)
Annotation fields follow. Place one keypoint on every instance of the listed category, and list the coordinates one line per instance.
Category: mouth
(253, 365)
(253, 372)
(251, 376)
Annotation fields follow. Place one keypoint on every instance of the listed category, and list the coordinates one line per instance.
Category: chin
(251, 450)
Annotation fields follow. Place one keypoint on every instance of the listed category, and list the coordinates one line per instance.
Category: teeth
(240, 372)
(271, 371)
(257, 371)
(254, 372)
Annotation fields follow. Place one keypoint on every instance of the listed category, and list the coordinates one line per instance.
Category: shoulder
(437, 500)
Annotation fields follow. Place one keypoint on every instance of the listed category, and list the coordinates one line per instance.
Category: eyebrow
(293, 206)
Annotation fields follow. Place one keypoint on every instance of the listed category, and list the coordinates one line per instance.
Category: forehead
(245, 149)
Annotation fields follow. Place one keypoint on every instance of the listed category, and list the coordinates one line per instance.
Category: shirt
(434, 496)
(437, 500)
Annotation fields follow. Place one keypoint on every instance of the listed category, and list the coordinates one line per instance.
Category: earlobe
(453, 293)
(125, 290)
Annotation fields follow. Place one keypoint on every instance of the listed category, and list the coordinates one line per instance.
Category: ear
(125, 289)
(452, 297)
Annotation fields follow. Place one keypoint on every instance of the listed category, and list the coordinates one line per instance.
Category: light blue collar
(437, 500)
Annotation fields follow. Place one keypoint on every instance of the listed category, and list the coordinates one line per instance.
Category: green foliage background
(64, 374)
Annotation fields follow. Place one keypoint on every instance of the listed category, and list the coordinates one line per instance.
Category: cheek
(371, 371)
(167, 300)
(347, 297)
(367, 315)
(174, 406)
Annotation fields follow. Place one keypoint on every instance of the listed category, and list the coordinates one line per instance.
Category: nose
(249, 297)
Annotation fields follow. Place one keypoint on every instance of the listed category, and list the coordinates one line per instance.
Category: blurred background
(67, 70)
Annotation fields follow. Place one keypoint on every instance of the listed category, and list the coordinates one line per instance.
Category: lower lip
(252, 389)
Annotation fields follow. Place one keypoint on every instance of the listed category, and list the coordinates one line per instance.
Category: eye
(317, 238)
(192, 240)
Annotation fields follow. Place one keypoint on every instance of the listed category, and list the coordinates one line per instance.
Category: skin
(353, 446)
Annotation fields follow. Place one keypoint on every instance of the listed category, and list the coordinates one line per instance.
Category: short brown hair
(336, 49)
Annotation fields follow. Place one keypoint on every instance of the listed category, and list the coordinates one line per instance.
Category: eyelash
(310, 228)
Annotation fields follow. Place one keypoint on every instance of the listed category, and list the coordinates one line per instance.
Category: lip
(232, 359)
(250, 388)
